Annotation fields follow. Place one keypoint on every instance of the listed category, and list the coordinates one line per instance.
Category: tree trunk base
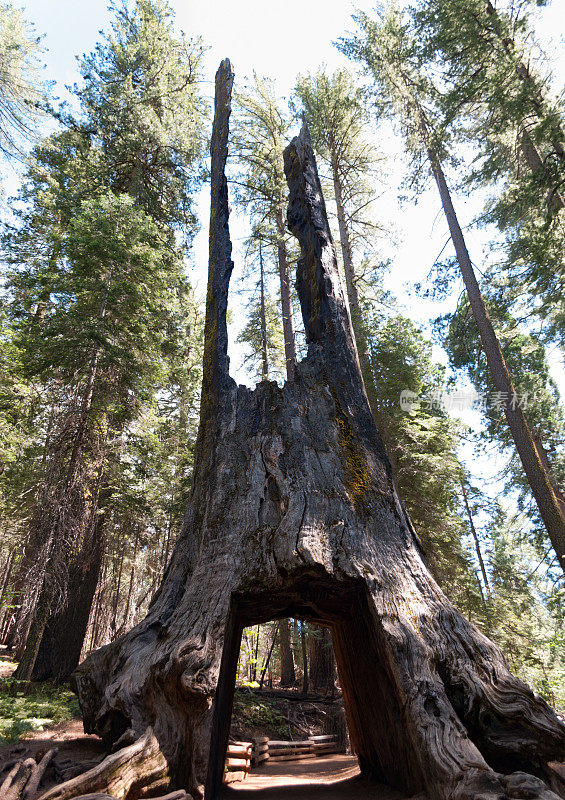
(122, 775)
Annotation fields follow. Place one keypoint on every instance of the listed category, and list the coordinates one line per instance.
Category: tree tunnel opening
(373, 708)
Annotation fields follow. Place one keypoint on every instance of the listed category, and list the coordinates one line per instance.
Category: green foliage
(142, 103)
(259, 714)
(496, 97)
(25, 708)
(251, 337)
(535, 391)
(21, 87)
(526, 614)
(334, 110)
(422, 446)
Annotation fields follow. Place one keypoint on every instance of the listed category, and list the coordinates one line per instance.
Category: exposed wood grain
(121, 774)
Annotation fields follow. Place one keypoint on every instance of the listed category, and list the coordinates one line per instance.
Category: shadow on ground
(332, 778)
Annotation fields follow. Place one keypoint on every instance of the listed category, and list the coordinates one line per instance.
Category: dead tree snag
(294, 513)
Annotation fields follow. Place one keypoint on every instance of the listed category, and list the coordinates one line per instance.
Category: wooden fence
(241, 755)
(238, 761)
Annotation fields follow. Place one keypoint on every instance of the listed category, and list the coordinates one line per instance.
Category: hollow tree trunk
(293, 512)
(288, 676)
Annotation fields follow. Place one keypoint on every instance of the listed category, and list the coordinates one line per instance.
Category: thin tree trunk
(288, 676)
(7, 575)
(269, 654)
(98, 606)
(475, 537)
(286, 302)
(256, 656)
(303, 642)
(114, 622)
(264, 353)
(322, 662)
(538, 478)
(126, 622)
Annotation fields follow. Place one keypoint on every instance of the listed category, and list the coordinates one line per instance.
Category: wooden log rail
(265, 749)
(238, 761)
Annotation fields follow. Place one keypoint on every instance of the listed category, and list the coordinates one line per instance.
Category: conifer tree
(337, 120)
(536, 393)
(98, 267)
(387, 50)
(259, 138)
(496, 97)
(22, 90)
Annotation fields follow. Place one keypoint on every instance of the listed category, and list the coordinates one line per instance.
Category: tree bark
(288, 676)
(475, 538)
(322, 663)
(353, 299)
(63, 637)
(293, 512)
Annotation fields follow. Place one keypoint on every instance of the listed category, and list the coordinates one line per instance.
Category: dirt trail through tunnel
(331, 778)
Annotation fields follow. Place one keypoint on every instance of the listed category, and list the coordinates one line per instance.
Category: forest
(297, 531)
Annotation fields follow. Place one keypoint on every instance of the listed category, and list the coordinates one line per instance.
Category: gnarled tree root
(24, 778)
(121, 775)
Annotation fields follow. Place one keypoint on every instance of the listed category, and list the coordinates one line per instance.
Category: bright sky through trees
(281, 41)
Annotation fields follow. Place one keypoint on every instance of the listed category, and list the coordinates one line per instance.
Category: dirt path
(332, 778)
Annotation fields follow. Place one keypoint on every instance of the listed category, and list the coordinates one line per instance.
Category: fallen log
(121, 774)
(34, 780)
(18, 777)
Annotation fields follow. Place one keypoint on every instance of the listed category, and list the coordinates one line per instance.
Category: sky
(281, 40)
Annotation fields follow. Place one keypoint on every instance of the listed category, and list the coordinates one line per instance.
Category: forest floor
(275, 713)
(335, 777)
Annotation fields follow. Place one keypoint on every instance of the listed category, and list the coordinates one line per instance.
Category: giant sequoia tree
(294, 512)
